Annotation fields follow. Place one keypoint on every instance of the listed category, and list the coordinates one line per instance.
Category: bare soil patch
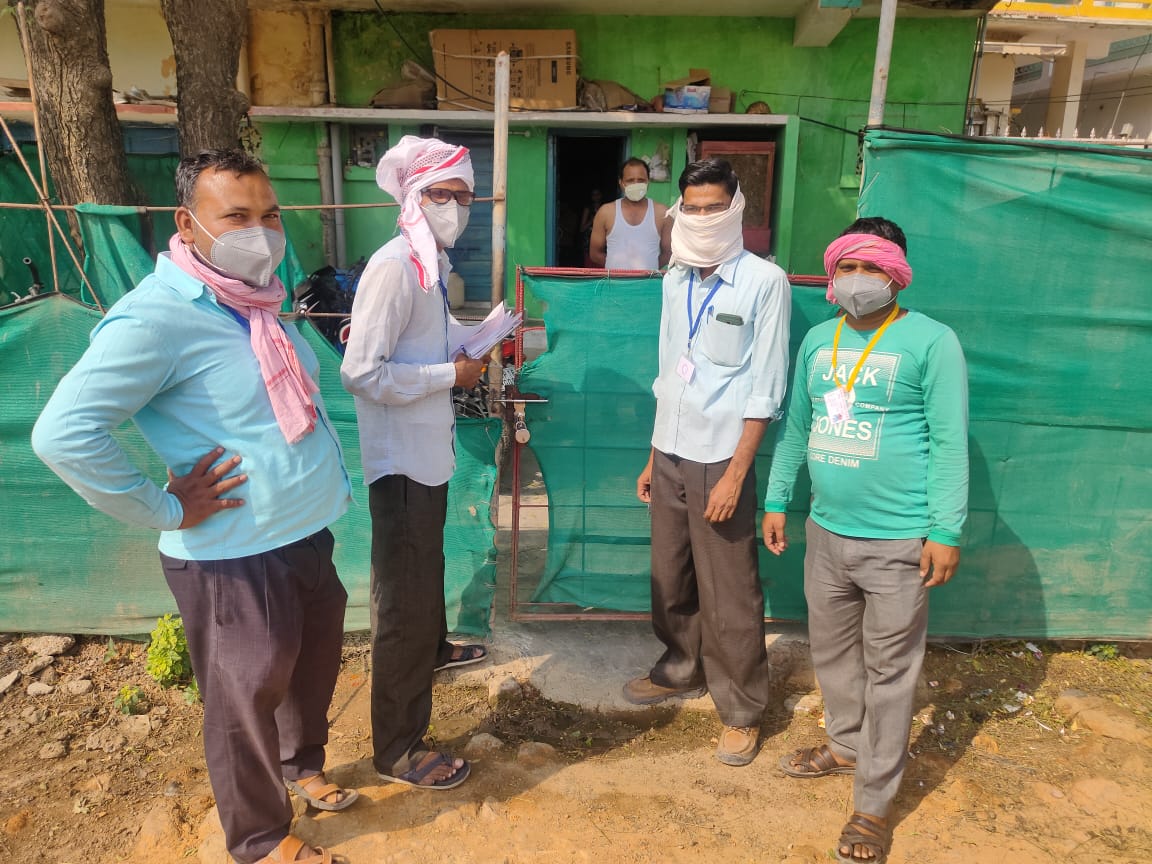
(998, 773)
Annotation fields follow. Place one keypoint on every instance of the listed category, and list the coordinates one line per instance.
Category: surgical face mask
(446, 221)
(635, 191)
(248, 254)
(859, 294)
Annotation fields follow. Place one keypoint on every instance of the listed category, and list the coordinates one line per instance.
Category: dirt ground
(998, 772)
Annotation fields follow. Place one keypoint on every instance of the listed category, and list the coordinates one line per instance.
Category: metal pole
(338, 193)
(883, 59)
(52, 220)
(500, 175)
(39, 142)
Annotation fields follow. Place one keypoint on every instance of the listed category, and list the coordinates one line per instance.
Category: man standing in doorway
(196, 357)
(631, 233)
(398, 366)
(723, 372)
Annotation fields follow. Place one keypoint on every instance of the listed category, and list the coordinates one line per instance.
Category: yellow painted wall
(280, 52)
(11, 57)
(139, 48)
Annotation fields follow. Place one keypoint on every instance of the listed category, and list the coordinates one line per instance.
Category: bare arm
(664, 225)
(598, 247)
(725, 494)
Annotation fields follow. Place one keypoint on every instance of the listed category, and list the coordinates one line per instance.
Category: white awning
(1026, 49)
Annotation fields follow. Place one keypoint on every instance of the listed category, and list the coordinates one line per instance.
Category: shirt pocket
(726, 343)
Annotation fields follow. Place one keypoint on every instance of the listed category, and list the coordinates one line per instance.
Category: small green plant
(1103, 651)
(111, 652)
(168, 660)
(130, 700)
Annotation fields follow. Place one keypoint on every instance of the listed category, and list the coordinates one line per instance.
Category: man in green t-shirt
(879, 412)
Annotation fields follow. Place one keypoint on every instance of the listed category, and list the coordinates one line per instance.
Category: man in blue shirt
(723, 373)
(197, 359)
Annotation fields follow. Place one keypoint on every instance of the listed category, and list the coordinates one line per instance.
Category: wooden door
(753, 162)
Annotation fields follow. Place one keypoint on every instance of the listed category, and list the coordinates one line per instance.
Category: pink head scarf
(289, 387)
(404, 172)
(868, 247)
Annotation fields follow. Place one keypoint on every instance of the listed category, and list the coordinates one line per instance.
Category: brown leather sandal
(316, 792)
(808, 762)
(289, 848)
(861, 830)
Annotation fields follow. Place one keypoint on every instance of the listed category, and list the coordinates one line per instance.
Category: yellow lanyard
(867, 348)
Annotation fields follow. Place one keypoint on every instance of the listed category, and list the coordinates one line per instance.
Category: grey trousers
(707, 603)
(407, 614)
(867, 624)
(264, 635)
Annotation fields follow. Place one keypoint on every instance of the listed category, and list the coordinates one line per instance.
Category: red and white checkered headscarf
(404, 172)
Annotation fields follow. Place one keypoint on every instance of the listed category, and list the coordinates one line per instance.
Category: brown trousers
(264, 634)
(707, 603)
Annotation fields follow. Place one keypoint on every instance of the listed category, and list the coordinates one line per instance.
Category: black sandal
(468, 654)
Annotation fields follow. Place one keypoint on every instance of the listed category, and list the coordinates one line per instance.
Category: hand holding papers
(479, 340)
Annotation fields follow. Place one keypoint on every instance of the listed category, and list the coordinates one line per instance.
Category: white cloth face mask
(635, 191)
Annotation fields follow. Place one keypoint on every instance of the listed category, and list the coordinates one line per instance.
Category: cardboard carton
(688, 95)
(720, 101)
(543, 68)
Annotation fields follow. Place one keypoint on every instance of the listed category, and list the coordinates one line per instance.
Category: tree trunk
(207, 36)
(82, 141)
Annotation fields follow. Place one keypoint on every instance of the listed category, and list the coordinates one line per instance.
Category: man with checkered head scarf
(399, 366)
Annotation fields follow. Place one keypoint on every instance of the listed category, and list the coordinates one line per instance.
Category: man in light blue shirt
(723, 374)
(197, 359)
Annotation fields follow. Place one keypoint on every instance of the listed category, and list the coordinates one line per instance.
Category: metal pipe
(338, 192)
(52, 220)
(883, 61)
(327, 217)
(318, 77)
(329, 57)
(500, 175)
(39, 141)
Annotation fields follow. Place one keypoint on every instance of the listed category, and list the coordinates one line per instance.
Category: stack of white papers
(479, 340)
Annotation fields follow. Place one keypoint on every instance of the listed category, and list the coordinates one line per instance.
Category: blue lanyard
(694, 323)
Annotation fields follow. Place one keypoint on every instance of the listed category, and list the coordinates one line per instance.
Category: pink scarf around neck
(289, 387)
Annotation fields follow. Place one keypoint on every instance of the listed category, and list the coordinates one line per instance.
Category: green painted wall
(753, 56)
(290, 152)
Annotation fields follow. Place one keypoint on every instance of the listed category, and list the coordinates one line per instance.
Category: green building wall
(816, 183)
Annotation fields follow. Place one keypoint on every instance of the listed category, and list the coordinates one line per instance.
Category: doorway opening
(583, 164)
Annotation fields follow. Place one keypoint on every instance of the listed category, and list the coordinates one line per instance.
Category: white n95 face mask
(635, 191)
(248, 254)
(446, 221)
(859, 294)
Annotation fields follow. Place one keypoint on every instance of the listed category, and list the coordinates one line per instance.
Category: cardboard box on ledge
(720, 101)
(688, 95)
(543, 68)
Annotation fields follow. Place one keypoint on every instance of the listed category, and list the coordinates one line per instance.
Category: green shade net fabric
(593, 436)
(1036, 256)
(113, 256)
(66, 567)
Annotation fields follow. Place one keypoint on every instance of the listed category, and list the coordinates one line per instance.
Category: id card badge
(837, 404)
(686, 369)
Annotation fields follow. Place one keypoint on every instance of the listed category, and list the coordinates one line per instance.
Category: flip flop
(413, 776)
(469, 654)
(307, 789)
(814, 762)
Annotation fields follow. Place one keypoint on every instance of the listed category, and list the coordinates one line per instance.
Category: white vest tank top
(634, 247)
